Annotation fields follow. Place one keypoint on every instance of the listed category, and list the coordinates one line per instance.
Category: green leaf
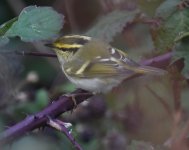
(174, 27)
(182, 51)
(144, 6)
(111, 24)
(36, 23)
(167, 8)
(6, 26)
(181, 36)
(3, 29)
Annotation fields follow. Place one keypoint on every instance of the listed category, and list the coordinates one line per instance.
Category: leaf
(3, 29)
(181, 36)
(6, 26)
(167, 8)
(36, 23)
(144, 6)
(174, 27)
(111, 24)
(182, 51)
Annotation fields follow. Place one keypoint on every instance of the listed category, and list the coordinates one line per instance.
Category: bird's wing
(131, 65)
(95, 68)
(116, 64)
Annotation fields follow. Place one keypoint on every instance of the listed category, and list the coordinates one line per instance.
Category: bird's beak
(49, 45)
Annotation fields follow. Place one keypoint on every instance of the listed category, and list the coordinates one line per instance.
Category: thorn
(35, 117)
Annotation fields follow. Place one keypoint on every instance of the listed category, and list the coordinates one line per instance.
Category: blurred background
(141, 113)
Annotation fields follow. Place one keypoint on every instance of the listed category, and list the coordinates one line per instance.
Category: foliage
(31, 24)
(3, 29)
(174, 25)
(182, 51)
(140, 114)
(167, 9)
(110, 25)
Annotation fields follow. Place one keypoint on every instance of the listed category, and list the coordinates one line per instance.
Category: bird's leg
(72, 96)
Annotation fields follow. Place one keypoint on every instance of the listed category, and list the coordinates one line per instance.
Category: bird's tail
(149, 70)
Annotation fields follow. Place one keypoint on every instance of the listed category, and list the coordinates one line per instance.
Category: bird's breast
(95, 85)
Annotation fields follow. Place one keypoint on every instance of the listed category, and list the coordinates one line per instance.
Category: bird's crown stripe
(78, 37)
(68, 46)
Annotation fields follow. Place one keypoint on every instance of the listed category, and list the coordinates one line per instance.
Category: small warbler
(94, 65)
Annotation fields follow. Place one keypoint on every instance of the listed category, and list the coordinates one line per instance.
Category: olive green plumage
(94, 65)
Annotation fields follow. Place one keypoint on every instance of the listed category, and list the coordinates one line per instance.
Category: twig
(63, 104)
(23, 53)
(152, 22)
(58, 125)
(161, 61)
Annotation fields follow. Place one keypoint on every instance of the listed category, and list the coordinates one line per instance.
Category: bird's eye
(69, 49)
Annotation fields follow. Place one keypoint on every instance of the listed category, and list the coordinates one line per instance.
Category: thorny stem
(56, 108)
(58, 125)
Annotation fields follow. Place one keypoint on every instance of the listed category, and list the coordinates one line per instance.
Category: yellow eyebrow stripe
(67, 46)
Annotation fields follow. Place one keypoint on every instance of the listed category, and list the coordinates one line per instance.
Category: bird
(95, 66)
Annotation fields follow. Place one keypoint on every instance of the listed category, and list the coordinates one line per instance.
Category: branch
(56, 108)
(64, 104)
(161, 61)
(60, 126)
(23, 53)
